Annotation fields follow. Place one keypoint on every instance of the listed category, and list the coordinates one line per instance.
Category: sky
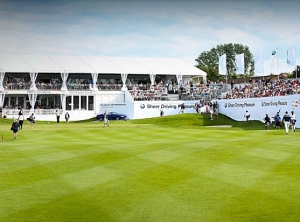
(154, 28)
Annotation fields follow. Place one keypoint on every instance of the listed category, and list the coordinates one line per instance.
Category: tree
(208, 61)
(294, 72)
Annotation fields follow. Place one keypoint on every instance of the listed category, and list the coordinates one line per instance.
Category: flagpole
(263, 67)
(296, 61)
(277, 63)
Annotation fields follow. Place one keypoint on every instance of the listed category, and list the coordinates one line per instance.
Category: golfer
(286, 119)
(293, 121)
(105, 119)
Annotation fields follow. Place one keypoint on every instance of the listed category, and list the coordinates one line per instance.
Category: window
(91, 102)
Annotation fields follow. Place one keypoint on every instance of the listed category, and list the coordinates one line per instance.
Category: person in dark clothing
(286, 119)
(15, 128)
(57, 115)
(20, 112)
(267, 122)
(67, 117)
(31, 120)
(277, 119)
(182, 108)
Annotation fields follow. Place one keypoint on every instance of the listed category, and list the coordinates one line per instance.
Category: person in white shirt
(21, 120)
(293, 121)
(286, 119)
(247, 115)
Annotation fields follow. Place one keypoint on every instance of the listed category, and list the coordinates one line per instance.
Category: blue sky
(167, 28)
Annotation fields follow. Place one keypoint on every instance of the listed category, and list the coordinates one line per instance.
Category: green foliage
(208, 60)
(293, 75)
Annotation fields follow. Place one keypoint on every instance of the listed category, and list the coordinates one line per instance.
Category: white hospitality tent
(97, 65)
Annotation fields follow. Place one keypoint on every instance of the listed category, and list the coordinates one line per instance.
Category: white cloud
(180, 29)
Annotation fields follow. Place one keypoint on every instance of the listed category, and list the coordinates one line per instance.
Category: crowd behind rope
(263, 88)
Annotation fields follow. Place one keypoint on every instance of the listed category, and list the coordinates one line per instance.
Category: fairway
(177, 171)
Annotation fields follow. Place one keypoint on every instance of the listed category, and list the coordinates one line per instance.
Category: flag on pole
(259, 64)
(274, 61)
(239, 64)
(291, 56)
(222, 65)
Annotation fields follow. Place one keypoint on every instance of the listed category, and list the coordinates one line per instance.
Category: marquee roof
(96, 64)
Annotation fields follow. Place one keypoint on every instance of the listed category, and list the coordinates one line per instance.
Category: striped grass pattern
(149, 170)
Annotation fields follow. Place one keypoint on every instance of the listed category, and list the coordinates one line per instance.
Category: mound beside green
(198, 120)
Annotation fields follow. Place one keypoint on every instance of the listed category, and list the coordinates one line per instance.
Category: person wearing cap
(267, 121)
(286, 119)
(293, 121)
(247, 115)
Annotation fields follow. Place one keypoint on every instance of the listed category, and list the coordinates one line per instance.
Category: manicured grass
(172, 168)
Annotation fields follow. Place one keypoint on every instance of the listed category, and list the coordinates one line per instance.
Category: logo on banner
(273, 103)
(225, 105)
(142, 106)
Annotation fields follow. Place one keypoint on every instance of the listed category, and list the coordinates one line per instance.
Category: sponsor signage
(259, 107)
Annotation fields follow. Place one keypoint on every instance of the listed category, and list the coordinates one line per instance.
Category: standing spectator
(267, 121)
(57, 116)
(182, 108)
(216, 109)
(180, 91)
(293, 121)
(287, 120)
(170, 85)
(247, 116)
(174, 87)
(67, 117)
(31, 120)
(232, 84)
(15, 128)
(21, 112)
(105, 119)
(161, 112)
(21, 121)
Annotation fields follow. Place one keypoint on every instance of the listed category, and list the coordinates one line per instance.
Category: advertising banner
(121, 108)
(148, 109)
(259, 107)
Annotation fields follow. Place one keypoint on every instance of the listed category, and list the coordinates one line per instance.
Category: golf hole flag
(291, 56)
(239, 62)
(274, 61)
(222, 65)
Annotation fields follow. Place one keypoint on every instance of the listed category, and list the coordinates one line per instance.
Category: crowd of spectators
(263, 88)
(143, 92)
(186, 90)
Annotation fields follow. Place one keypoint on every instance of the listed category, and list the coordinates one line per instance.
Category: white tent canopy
(97, 64)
